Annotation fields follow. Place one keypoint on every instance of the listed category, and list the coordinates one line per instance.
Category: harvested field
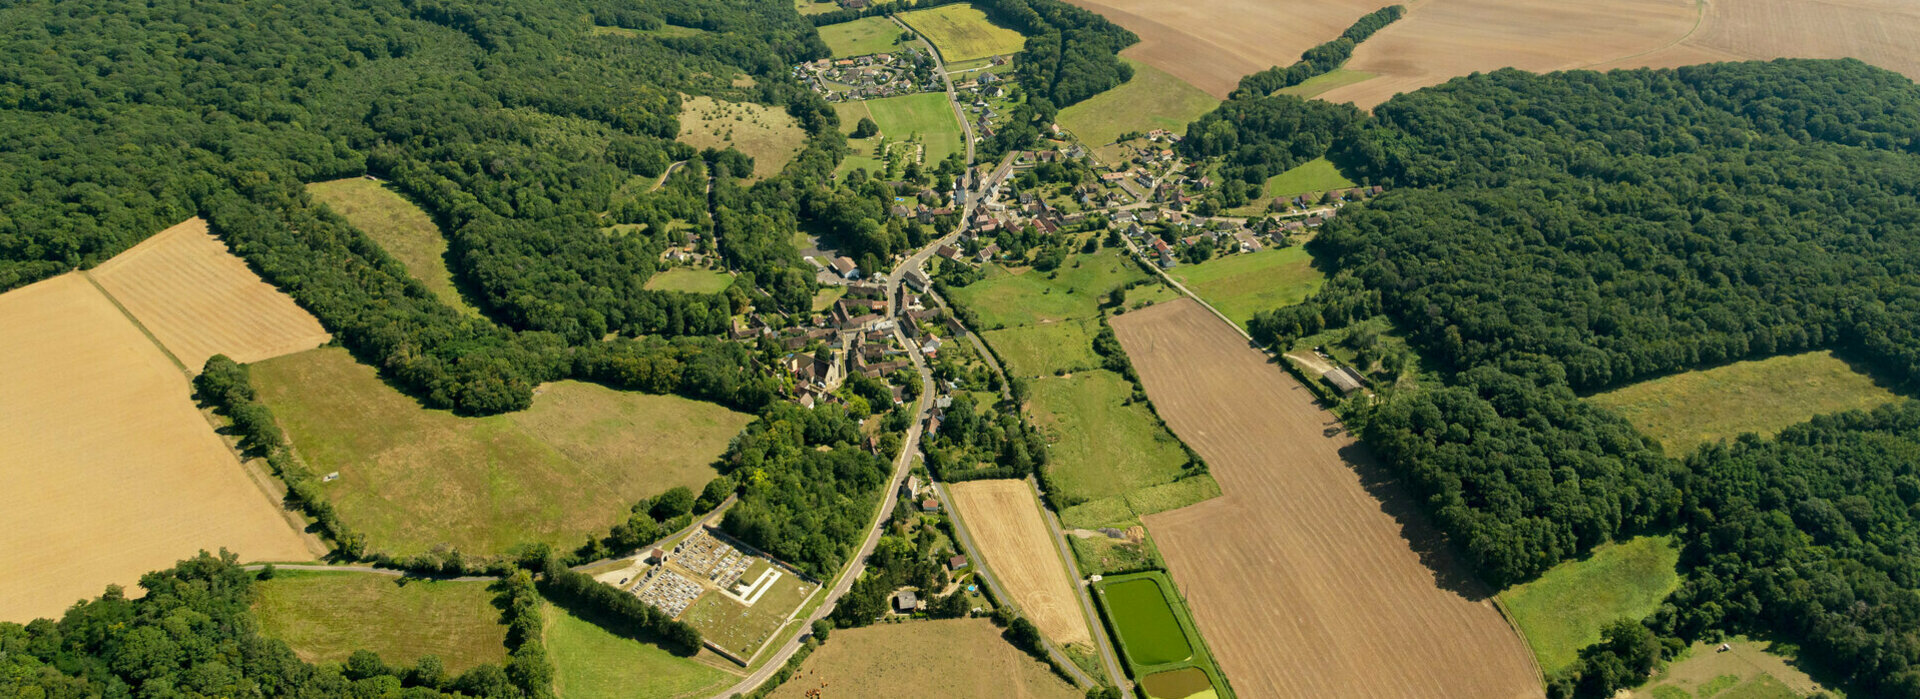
(399, 227)
(1362, 594)
(199, 300)
(1212, 43)
(768, 135)
(1885, 33)
(957, 658)
(107, 470)
(325, 617)
(1004, 517)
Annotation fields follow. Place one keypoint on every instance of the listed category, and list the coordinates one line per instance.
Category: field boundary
(142, 327)
(1001, 598)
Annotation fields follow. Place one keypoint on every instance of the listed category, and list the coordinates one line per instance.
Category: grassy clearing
(1313, 176)
(767, 134)
(927, 116)
(590, 662)
(691, 280)
(824, 298)
(1340, 77)
(862, 37)
(413, 479)
(1102, 446)
(1245, 284)
(399, 227)
(1099, 555)
(1563, 610)
(1763, 397)
(1006, 298)
(1033, 351)
(1751, 669)
(325, 617)
(1152, 100)
(815, 7)
(742, 629)
(963, 33)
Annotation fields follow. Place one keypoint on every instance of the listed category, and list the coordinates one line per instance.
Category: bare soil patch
(107, 470)
(959, 658)
(1312, 575)
(199, 300)
(1212, 43)
(1005, 521)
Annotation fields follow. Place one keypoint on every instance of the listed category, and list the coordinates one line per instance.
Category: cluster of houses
(1334, 198)
(867, 77)
(980, 88)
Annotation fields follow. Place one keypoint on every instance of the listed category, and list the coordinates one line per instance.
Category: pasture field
(107, 471)
(1314, 176)
(962, 33)
(1005, 298)
(1156, 635)
(590, 662)
(1210, 44)
(1034, 351)
(957, 658)
(1563, 610)
(1374, 604)
(1312, 87)
(197, 299)
(399, 227)
(743, 629)
(862, 37)
(1100, 445)
(861, 152)
(1152, 100)
(413, 478)
(926, 115)
(325, 617)
(1243, 284)
(1004, 519)
(1751, 669)
(1683, 411)
(767, 134)
(691, 280)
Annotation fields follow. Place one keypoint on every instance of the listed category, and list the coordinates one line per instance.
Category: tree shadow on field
(1436, 551)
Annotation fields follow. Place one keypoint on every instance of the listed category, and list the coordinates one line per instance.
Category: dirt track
(1312, 576)
(199, 299)
(1005, 521)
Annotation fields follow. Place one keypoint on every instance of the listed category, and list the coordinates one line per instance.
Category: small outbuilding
(906, 602)
(1344, 379)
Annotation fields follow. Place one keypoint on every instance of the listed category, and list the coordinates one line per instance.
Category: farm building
(1343, 378)
(906, 602)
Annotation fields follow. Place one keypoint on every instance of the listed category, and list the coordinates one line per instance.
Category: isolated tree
(865, 128)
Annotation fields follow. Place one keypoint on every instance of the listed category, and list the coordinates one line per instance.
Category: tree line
(1321, 59)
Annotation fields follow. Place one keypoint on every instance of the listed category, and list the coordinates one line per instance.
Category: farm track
(1313, 548)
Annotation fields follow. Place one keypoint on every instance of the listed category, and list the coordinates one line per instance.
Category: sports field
(325, 617)
(962, 32)
(690, 280)
(1244, 284)
(1698, 407)
(413, 479)
(107, 471)
(198, 299)
(957, 658)
(769, 135)
(1151, 100)
(399, 227)
(926, 116)
(862, 37)
(1210, 44)
(1374, 605)
(1564, 609)
(590, 662)
(1004, 518)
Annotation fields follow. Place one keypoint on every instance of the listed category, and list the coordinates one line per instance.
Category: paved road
(1080, 677)
(1084, 590)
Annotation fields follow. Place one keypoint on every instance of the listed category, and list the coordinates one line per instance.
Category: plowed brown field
(106, 469)
(199, 299)
(1312, 576)
(1005, 521)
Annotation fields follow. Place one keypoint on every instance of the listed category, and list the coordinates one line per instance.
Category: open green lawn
(1244, 284)
(862, 37)
(963, 33)
(1685, 410)
(691, 280)
(927, 115)
(1316, 175)
(325, 617)
(1102, 446)
(399, 227)
(1033, 351)
(1006, 298)
(1315, 85)
(412, 479)
(742, 629)
(1563, 610)
(590, 662)
(1152, 100)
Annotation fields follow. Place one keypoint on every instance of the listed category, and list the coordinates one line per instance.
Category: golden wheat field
(198, 299)
(107, 470)
(1212, 43)
(1005, 521)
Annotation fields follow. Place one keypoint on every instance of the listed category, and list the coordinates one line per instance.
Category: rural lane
(1083, 590)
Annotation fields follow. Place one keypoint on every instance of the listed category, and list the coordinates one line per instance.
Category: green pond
(1148, 630)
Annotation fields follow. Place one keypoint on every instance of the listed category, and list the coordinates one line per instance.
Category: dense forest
(1549, 234)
